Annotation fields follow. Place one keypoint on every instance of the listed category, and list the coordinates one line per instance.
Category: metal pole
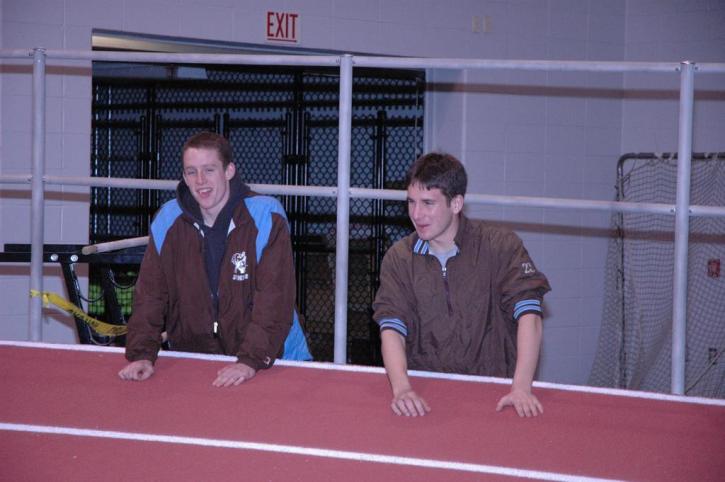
(367, 61)
(343, 209)
(35, 327)
(385, 194)
(531, 65)
(682, 227)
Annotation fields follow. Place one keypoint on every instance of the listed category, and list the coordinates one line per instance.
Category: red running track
(177, 426)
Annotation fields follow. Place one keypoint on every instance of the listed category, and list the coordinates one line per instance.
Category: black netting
(113, 211)
(258, 153)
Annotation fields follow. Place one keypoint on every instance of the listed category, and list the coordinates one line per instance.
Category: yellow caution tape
(98, 326)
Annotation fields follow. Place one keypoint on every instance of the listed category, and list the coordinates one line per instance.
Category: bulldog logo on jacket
(239, 260)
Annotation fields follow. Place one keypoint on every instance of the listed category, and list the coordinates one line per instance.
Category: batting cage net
(635, 343)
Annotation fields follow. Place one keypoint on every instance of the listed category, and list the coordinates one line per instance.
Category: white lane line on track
(298, 450)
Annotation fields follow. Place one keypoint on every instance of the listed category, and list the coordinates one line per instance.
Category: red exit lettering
(283, 27)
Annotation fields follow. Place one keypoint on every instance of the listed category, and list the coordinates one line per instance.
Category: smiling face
(435, 219)
(208, 181)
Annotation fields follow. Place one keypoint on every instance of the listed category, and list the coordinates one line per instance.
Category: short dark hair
(439, 170)
(213, 141)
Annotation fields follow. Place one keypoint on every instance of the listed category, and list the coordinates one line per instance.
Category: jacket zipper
(215, 314)
(215, 299)
(444, 270)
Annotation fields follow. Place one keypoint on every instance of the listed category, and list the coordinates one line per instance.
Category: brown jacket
(463, 321)
(256, 299)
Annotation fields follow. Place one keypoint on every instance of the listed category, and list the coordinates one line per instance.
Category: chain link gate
(283, 126)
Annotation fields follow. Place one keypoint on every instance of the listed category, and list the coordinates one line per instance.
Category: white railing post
(35, 328)
(343, 209)
(682, 228)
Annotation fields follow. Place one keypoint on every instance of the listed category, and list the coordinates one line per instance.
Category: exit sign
(283, 27)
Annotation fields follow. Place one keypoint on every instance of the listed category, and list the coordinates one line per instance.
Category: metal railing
(343, 192)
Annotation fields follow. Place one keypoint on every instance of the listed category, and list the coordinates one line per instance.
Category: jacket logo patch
(239, 260)
(528, 268)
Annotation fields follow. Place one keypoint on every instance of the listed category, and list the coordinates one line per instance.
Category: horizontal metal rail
(343, 191)
(366, 61)
(387, 194)
(152, 57)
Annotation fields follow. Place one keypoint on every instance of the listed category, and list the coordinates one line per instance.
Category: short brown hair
(439, 170)
(213, 141)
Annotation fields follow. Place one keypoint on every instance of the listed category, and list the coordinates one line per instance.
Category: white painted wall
(519, 133)
(551, 134)
(673, 32)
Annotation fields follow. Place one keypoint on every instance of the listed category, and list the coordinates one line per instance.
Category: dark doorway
(283, 125)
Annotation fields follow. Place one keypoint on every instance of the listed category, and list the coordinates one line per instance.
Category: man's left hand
(525, 403)
(234, 374)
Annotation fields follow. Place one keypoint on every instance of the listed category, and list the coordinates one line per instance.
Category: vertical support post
(35, 327)
(343, 208)
(682, 227)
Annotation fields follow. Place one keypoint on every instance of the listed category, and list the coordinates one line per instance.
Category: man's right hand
(137, 370)
(408, 403)
(405, 400)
